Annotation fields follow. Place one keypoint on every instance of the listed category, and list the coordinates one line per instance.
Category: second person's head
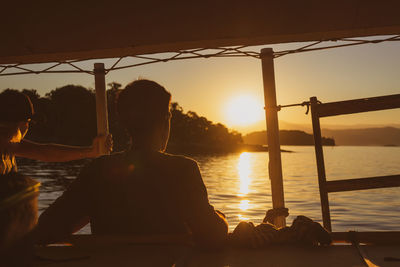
(143, 108)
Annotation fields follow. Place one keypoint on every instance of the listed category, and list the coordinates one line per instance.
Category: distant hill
(383, 136)
(286, 137)
(374, 136)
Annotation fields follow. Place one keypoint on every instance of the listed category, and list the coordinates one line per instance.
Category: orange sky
(207, 85)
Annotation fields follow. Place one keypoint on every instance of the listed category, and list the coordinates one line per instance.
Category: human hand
(102, 145)
(273, 213)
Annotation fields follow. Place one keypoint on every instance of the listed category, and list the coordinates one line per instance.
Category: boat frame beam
(274, 150)
(101, 103)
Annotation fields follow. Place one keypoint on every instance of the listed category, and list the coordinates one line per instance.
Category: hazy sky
(208, 86)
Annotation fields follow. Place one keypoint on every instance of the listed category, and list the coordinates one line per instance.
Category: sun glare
(244, 110)
(244, 204)
(244, 170)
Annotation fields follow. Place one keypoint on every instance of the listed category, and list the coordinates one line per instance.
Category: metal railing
(319, 110)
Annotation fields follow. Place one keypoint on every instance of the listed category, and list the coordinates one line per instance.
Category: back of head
(142, 106)
(14, 108)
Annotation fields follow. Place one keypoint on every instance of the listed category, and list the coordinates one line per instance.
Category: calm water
(238, 185)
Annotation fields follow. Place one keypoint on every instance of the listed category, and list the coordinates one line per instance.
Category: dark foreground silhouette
(141, 191)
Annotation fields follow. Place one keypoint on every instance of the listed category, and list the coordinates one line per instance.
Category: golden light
(244, 110)
(244, 170)
(244, 204)
(242, 218)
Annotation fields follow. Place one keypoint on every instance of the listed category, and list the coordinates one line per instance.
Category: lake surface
(238, 184)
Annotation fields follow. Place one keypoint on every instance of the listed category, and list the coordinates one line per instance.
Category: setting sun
(244, 110)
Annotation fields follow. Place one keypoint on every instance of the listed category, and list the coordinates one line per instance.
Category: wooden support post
(101, 101)
(274, 150)
(326, 216)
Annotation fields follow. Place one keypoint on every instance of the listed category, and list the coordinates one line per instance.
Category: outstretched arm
(59, 153)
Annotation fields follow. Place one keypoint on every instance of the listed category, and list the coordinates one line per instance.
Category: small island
(286, 138)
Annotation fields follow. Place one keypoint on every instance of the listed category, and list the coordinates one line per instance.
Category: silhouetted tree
(114, 86)
(74, 115)
(68, 116)
(120, 136)
(32, 93)
(193, 133)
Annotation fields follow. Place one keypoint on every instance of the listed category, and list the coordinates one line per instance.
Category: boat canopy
(47, 30)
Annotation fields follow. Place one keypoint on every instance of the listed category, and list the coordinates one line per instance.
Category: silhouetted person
(16, 113)
(18, 193)
(140, 191)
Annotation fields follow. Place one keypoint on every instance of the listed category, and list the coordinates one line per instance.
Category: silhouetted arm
(59, 153)
(68, 213)
(209, 227)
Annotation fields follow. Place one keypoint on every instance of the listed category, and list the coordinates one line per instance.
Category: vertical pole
(274, 150)
(101, 101)
(319, 154)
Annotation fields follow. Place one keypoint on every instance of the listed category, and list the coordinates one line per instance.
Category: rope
(305, 103)
(236, 51)
(302, 104)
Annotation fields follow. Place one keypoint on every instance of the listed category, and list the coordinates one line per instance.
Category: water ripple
(238, 184)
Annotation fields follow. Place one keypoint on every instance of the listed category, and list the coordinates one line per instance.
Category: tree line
(67, 115)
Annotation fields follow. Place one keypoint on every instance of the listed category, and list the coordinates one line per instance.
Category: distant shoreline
(193, 149)
(211, 149)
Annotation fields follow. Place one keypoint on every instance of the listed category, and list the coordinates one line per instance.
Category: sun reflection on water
(244, 173)
(243, 218)
(244, 204)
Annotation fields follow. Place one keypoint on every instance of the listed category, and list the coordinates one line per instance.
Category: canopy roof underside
(48, 31)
